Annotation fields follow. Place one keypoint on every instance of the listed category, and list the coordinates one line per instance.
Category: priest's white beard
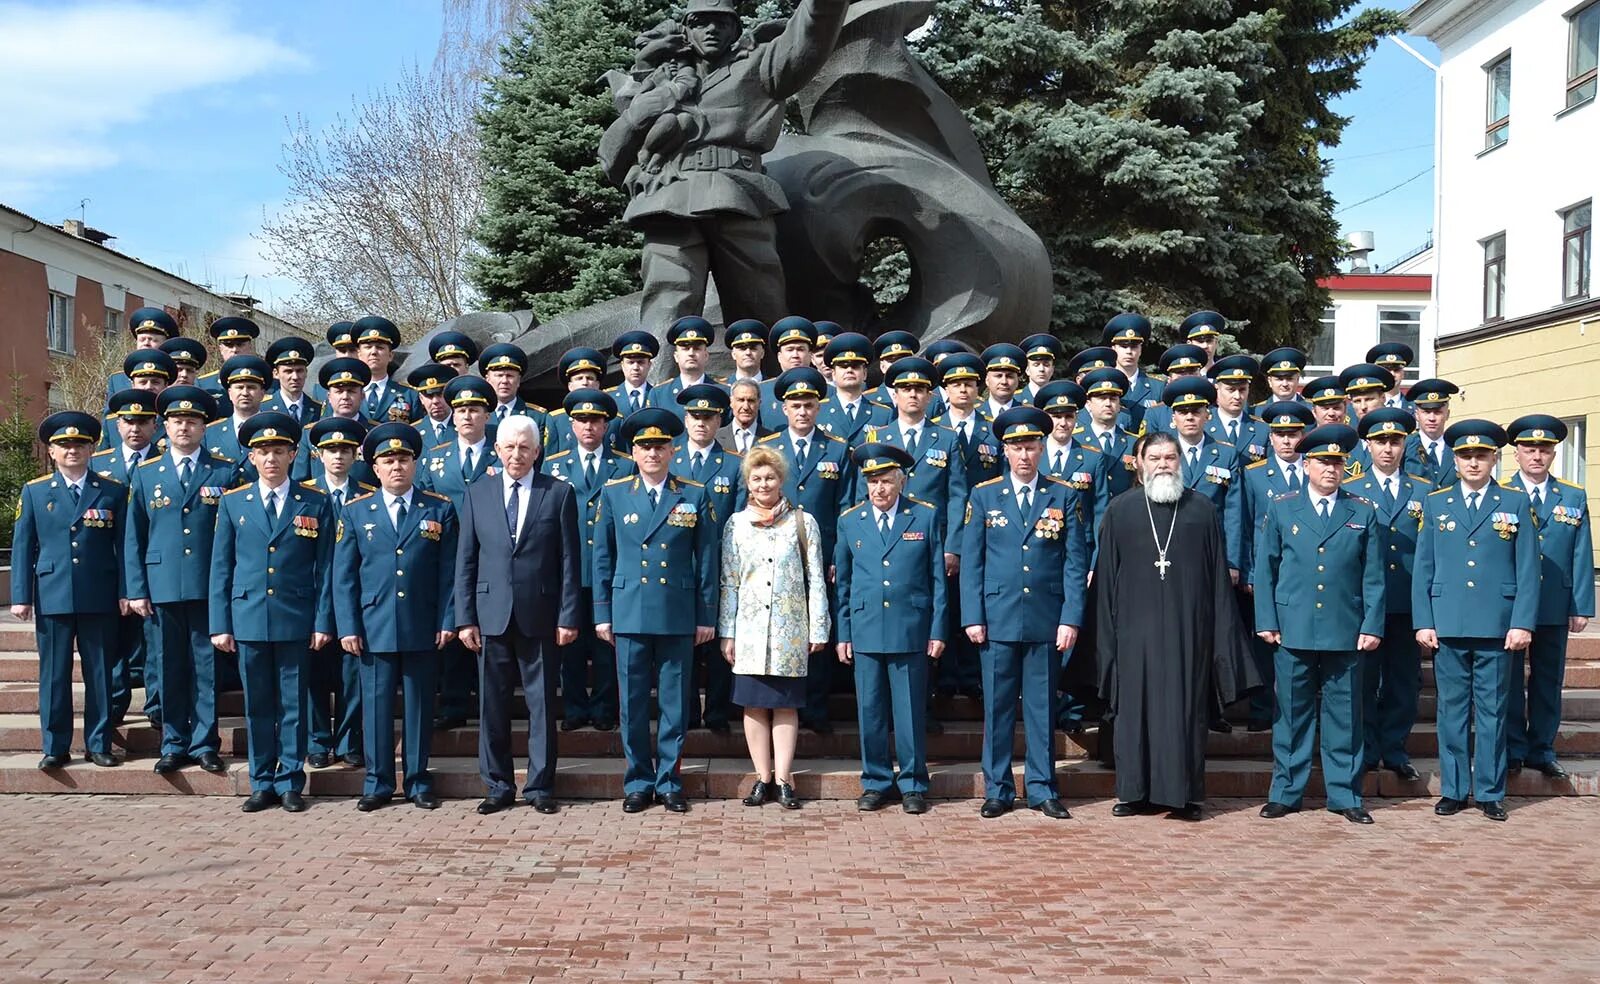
(1164, 488)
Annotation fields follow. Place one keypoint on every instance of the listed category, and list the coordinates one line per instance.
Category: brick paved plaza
(134, 889)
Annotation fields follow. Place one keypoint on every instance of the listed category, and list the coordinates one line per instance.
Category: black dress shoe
(1513, 765)
(367, 804)
(258, 801)
(104, 760)
(425, 801)
(675, 803)
(787, 797)
(1404, 770)
(1256, 727)
(635, 802)
(1447, 807)
(1220, 726)
(1272, 811)
(1356, 815)
(914, 803)
(719, 727)
(1053, 809)
(605, 724)
(994, 808)
(447, 723)
(1129, 809)
(544, 804)
(169, 763)
(574, 723)
(490, 805)
(871, 800)
(1494, 811)
(1550, 770)
(212, 762)
(354, 760)
(319, 760)
(759, 793)
(293, 802)
(1190, 812)
(55, 762)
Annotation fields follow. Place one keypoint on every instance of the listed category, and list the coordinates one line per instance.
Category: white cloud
(69, 78)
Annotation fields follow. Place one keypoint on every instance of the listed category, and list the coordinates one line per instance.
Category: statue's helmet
(709, 7)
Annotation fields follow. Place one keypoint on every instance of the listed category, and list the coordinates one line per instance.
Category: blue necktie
(272, 510)
(511, 510)
(655, 499)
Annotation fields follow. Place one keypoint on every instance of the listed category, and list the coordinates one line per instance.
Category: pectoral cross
(1162, 565)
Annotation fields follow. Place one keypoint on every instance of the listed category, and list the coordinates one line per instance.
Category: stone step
(727, 778)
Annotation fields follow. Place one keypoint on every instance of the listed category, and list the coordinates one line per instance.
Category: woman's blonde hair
(764, 458)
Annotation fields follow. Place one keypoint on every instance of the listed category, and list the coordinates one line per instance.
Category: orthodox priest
(1168, 632)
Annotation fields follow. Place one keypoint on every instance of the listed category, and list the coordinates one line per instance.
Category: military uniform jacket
(832, 418)
(619, 393)
(1257, 409)
(272, 584)
(310, 410)
(393, 588)
(937, 477)
(567, 466)
(66, 557)
(1253, 444)
(396, 401)
(1320, 582)
(167, 543)
(435, 432)
(719, 476)
(772, 417)
(889, 593)
(1022, 576)
(982, 458)
(1477, 575)
(223, 442)
(111, 463)
(1119, 464)
(518, 407)
(1144, 395)
(1399, 522)
(308, 467)
(440, 469)
(1262, 482)
(558, 431)
(665, 395)
(824, 485)
(1216, 477)
(1566, 551)
(211, 382)
(1418, 462)
(656, 570)
(1085, 470)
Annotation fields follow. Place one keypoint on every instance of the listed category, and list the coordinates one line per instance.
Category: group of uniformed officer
(251, 519)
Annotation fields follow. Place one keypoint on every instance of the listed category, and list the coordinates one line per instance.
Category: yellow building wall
(1554, 369)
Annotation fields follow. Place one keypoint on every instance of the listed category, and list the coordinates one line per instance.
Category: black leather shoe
(425, 801)
(914, 803)
(787, 797)
(1404, 770)
(1550, 770)
(170, 763)
(447, 723)
(1256, 727)
(759, 793)
(1221, 726)
(367, 804)
(1273, 811)
(635, 802)
(871, 800)
(1356, 815)
(294, 803)
(55, 762)
(994, 808)
(605, 724)
(1513, 765)
(212, 762)
(104, 760)
(354, 760)
(259, 801)
(719, 727)
(1494, 811)
(489, 806)
(675, 803)
(574, 723)
(1128, 809)
(1053, 809)
(1190, 812)
(319, 760)
(544, 804)
(1447, 807)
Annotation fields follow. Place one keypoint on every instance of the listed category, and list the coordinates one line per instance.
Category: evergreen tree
(19, 457)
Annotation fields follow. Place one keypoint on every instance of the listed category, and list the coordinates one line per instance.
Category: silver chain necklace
(1161, 563)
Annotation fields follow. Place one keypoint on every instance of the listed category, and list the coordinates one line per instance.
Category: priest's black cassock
(1164, 643)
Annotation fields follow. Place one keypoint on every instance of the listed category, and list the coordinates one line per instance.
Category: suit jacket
(1320, 582)
(656, 571)
(272, 583)
(535, 579)
(1566, 551)
(307, 466)
(393, 587)
(1004, 552)
(889, 593)
(1144, 395)
(167, 545)
(567, 466)
(435, 432)
(66, 557)
(558, 431)
(1500, 541)
(1399, 522)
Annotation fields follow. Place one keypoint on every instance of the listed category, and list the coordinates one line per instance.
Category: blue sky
(168, 119)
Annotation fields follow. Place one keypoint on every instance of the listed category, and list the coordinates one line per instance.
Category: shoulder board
(1258, 464)
(920, 502)
(1058, 481)
(1419, 479)
(360, 498)
(146, 463)
(208, 375)
(369, 488)
(102, 454)
(689, 482)
(317, 492)
(441, 447)
(558, 412)
(223, 458)
(219, 422)
(872, 432)
(1505, 483)
(992, 481)
(1088, 449)
(434, 495)
(558, 454)
(41, 478)
(832, 437)
(1135, 434)
(732, 453)
(1361, 499)
(880, 403)
(309, 483)
(858, 505)
(621, 454)
(535, 406)
(1570, 485)
(242, 488)
(1441, 491)
(770, 438)
(938, 426)
(306, 427)
(1218, 440)
(1077, 430)
(400, 385)
(621, 481)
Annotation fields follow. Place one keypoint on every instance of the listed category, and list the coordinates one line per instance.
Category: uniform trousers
(1028, 670)
(457, 682)
(1391, 680)
(663, 662)
(1473, 677)
(333, 701)
(274, 725)
(95, 635)
(188, 679)
(1302, 676)
(506, 661)
(713, 672)
(588, 672)
(415, 673)
(959, 668)
(892, 688)
(135, 663)
(1533, 712)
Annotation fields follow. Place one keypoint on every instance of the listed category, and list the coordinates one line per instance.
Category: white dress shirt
(879, 514)
(193, 458)
(1017, 487)
(1318, 500)
(391, 502)
(526, 487)
(282, 492)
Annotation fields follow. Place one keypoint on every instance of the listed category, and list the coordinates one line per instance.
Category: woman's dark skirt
(769, 691)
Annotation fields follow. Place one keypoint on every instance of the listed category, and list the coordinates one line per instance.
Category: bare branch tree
(381, 206)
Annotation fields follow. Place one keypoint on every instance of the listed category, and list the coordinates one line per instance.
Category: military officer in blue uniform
(271, 599)
(1232, 421)
(67, 576)
(690, 339)
(1427, 454)
(341, 336)
(290, 359)
(1081, 466)
(582, 368)
(243, 380)
(635, 352)
(1090, 359)
(1024, 567)
(453, 349)
(589, 666)
(826, 332)
(847, 412)
(1364, 386)
(188, 357)
(1101, 426)
(151, 328)
(1204, 328)
(1327, 399)
(889, 348)
(1319, 587)
(1392, 675)
(794, 339)
(892, 619)
(1394, 358)
(172, 510)
(959, 377)
(1283, 368)
(1002, 374)
(343, 382)
(1210, 467)
(746, 340)
(1043, 351)
(234, 337)
(1179, 361)
(147, 370)
(503, 365)
(393, 573)
(663, 528)
(333, 711)
(386, 398)
(937, 473)
(1475, 601)
(1127, 334)
(821, 481)
(1566, 593)
(428, 382)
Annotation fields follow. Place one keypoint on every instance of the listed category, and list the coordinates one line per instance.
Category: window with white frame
(58, 324)
(1319, 360)
(1497, 125)
(1402, 325)
(1582, 51)
(1572, 454)
(1577, 245)
(113, 322)
(1494, 277)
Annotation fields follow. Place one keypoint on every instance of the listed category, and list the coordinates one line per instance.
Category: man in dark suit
(518, 595)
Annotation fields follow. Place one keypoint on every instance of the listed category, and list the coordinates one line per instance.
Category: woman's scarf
(764, 518)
